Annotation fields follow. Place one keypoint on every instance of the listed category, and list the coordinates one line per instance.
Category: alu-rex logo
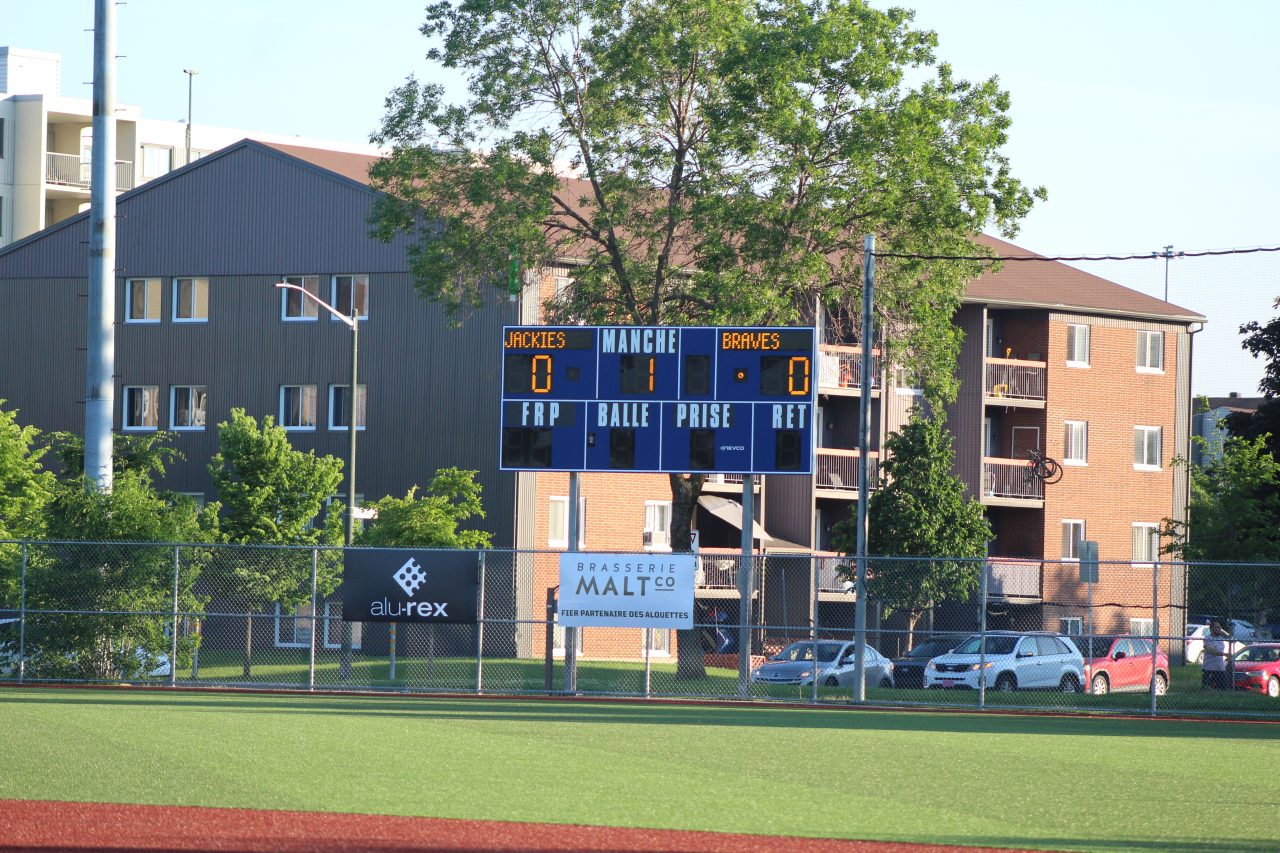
(409, 586)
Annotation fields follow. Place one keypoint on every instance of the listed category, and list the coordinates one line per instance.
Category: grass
(943, 778)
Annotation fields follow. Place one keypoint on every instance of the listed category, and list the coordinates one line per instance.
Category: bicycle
(1043, 467)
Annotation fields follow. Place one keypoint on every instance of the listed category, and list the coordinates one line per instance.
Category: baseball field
(1014, 781)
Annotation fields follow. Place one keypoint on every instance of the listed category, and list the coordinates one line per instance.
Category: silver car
(833, 666)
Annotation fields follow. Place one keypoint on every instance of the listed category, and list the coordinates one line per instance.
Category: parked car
(1257, 667)
(908, 670)
(1241, 632)
(1011, 660)
(833, 668)
(1122, 664)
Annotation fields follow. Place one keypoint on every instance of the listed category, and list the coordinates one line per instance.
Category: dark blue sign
(658, 399)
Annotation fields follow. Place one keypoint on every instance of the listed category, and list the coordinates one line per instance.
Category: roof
(347, 164)
(1055, 285)
(1236, 404)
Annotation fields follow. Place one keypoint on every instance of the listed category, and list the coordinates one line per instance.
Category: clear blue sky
(1150, 123)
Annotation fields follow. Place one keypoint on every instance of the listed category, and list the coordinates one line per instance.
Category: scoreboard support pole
(571, 634)
(864, 447)
(744, 584)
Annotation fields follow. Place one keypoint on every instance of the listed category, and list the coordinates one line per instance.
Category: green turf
(1078, 784)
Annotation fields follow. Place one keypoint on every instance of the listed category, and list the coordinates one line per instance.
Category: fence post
(173, 631)
(22, 619)
(648, 670)
(315, 622)
(480, 627)
(813, 622)
(982, 634)
(549, 665)
(1155, 629)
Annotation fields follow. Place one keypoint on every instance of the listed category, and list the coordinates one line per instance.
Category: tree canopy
(1263, 340)
(430, 521)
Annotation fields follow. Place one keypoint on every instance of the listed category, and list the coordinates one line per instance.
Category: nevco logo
(410, 576)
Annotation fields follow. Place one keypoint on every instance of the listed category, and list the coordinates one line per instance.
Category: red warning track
(56, 826)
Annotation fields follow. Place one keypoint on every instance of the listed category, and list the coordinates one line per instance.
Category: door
(1029, 664)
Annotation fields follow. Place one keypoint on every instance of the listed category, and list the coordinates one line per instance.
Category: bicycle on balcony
(1042, 467)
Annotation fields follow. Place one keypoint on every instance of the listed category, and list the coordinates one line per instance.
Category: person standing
(1217, 645)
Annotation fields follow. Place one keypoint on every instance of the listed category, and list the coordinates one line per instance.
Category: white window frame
(147, 285)
(1076, 331)
(1071, 548)
(173, 408)
(310, 309)
(658, 642)
(1145, 431)
(151, 394)
(362, 407)
(1152, 540)
(1072, 626)
(300, 614)
(198, 283)
(303, 613)
(656, 511)
(356, 279)
(281, 418)
(1140, 626)
(562, 541)
(1145, 350)
(1068, 436)
(148, 148)
(558, 637)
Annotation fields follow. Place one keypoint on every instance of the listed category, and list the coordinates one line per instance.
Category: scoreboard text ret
(658, 399)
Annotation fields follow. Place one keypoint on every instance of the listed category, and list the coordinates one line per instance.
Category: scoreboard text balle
(658, 399)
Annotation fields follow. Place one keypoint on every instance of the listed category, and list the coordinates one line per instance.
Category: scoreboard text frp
(658, 399)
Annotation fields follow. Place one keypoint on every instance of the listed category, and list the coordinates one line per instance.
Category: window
(142, 300)
(1142, 627)
(1146, 542)
(557, 639)
(293, 305)
(1072, 626)
(1072, 536)
(659, 641)
(1075, 443)
(191, 300)
(341, 295)
(157, 160)
(1, 138)
(196, 497)
(298, 406)
(1151, 352)
(294, 626)
(340, 406)
(657, 525)
(141, 407)
(1077, 345)
(1146, 447)
(187, 407)
(558, 523)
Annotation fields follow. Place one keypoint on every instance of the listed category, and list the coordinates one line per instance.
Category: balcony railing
(838, 469)
(1010, 478)
(1015, 579)
(1015, 379)
(841, 367)
(830, 578)
(69, 170)
(717, 571)
(723, 479)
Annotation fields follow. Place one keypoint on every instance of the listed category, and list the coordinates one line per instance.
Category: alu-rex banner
(401, 585)
(626, 590)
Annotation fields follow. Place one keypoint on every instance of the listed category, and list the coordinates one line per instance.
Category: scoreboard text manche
(658, 399)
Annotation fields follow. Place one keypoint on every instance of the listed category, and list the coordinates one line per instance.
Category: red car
(1122, 664)
(1257, 668)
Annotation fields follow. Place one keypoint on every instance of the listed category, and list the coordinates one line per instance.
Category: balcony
(727, 484)
(836, 472)
(69, 170)
(1008, 482)
(1016, 580)
(1014, 382)
(840, 369)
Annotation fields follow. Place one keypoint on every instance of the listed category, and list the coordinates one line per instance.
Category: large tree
(921, 512)
(1263, 340)
(25, 487)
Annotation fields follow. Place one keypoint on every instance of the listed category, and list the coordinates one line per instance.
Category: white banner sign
(626, 590)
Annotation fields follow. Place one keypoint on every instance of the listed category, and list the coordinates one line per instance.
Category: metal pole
(480, 629)
(191, 76)
(982, 633)
(813, 624)
(571, 634)
(1155, 629)
(548, 675)
(22, 618)
(99, 397)
(648, 671)
(344, 666)
(744, 584)
(315, 623)
(173, 630)
(864, 450)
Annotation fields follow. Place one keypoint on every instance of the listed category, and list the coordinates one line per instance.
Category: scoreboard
(660, 399)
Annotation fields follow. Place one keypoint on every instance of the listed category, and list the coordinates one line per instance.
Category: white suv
(1012, 660)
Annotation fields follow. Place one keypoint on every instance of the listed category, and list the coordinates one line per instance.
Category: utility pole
(191, 76)
(864, 451)
(1166, 254)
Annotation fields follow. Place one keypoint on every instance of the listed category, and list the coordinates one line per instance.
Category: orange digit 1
(545, 386)
(798, 380)
(651, 360)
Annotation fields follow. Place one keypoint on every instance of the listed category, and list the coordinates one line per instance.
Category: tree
(920, 512)
(1262, 340)
(25, 487)
(272, 494)
(432, 520)
(1234, 517)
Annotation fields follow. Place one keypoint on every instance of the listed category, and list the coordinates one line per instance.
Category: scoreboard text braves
(658, 399)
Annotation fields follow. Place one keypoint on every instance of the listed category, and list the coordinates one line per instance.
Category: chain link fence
(1013, 634)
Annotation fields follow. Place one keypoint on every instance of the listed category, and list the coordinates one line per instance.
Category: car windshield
(1259, 654)
(931, 648)
(1094, 647)
(804, 651)
(997, 645)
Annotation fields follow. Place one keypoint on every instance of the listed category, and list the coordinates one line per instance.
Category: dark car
(908, 670)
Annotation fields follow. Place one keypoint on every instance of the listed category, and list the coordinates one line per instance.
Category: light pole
(353, 323)
(191, 76)
(1166, 254)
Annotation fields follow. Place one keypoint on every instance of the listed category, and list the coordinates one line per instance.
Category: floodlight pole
(864, 449)
(745, 573)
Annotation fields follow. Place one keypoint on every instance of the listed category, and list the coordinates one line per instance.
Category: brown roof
(345, 163)
(1055, 285)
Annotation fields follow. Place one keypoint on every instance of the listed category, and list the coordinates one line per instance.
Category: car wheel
(832, 681)
(884, 684)
(1100, 686)
(1006, 683)
(1162, 684)
(1069, 684)
(1273, 687)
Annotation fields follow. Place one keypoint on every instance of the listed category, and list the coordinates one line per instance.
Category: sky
(1150, 122)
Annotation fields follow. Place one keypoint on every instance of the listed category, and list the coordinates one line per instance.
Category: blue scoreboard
(660, 399)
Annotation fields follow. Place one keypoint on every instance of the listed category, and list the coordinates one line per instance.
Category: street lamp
(191, 76)
(353, 323)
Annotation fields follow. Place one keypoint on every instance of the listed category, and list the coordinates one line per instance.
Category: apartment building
(46, 145)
